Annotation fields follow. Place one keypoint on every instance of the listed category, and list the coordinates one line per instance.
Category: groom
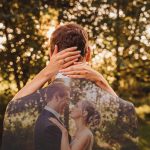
(47, 135)
(118, 119)
(118, 116)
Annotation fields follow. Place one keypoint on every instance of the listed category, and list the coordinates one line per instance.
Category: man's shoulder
(43, 119)
(52, 129)
(126, 104)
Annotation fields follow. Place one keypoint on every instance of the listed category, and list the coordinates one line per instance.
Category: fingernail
(75, 47)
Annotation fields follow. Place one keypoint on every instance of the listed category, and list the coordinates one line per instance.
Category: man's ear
(50, 53)
(57, 98)
(88, 54)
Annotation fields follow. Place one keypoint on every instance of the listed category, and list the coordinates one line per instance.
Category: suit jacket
(47, 136)
(118, 127)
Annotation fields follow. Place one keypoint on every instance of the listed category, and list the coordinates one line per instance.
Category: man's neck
(53, 109)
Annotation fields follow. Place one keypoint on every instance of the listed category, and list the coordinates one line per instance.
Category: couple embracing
(69, 54)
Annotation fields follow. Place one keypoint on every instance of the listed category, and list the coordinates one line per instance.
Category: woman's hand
(61, 60)
(82, 70)
(64, 139)
(60, 126)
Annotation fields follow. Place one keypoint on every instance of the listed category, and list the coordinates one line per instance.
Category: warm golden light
(50, 31)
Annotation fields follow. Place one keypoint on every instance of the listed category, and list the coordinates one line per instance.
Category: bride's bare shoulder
(91, 134)
(88, 133)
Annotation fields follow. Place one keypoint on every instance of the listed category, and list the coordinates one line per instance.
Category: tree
(22, 53)
(118, 31)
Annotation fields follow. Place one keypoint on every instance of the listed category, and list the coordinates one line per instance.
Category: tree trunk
(117, 75)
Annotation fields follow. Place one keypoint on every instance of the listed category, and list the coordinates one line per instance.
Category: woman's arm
(39, 80)
(64, 139)
(79, 144)
(82, 70)
(101, 82)
(56, 62)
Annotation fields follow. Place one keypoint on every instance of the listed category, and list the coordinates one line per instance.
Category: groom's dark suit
(47, 135)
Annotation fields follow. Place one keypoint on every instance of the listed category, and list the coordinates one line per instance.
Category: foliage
(119, 33)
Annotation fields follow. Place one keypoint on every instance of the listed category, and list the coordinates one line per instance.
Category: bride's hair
(92, 117)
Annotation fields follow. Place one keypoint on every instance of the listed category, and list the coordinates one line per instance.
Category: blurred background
(119, 33)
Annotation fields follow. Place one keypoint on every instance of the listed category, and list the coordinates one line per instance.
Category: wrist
(47, 73)
(96, 76)
(65, 132)
(100, 80)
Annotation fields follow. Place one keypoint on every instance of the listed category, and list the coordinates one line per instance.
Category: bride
(85, 116)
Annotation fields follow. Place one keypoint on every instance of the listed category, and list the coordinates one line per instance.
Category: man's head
(70, 35)
(58, 96)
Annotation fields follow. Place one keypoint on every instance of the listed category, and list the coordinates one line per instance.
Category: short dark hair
(70, 35)
(58, 88)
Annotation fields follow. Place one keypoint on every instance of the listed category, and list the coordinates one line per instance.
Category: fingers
(69, 63)
(72, 57)
(75, 76)
(69, 60)
(68, 50)
(77, 63)
(73, 73)
(55, 122)
(55, 50)
(51, 119)
(72, 68)
(68, 54)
